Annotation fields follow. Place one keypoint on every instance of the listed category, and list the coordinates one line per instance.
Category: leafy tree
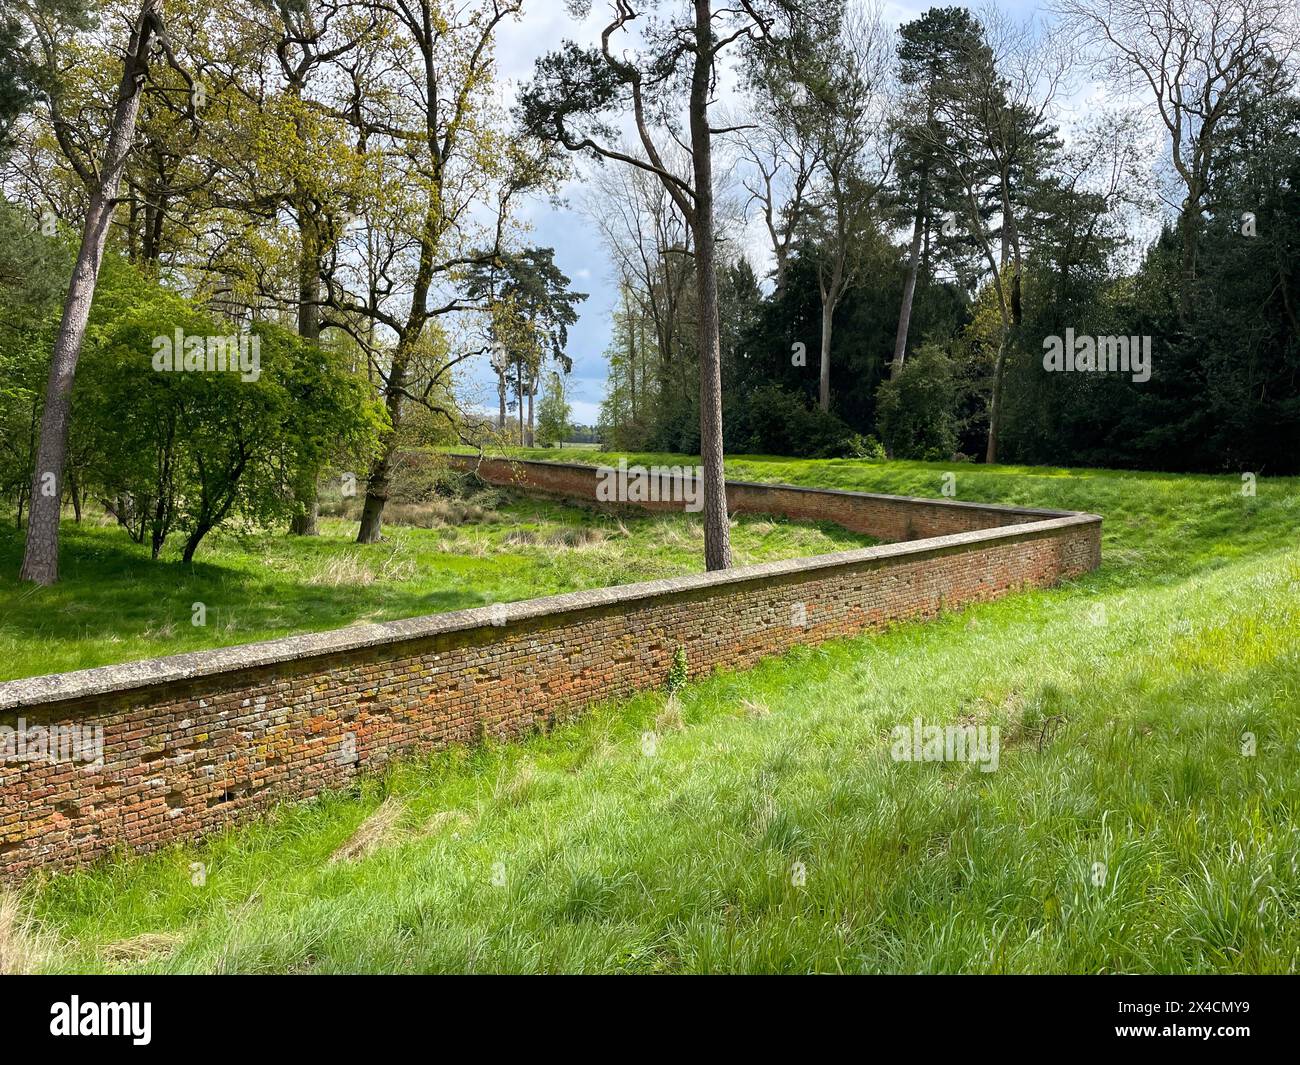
(531, 307)
(917, 407)
(425, 103)
(554, 416)
(934, 53)
(185, 452)
(41, 554)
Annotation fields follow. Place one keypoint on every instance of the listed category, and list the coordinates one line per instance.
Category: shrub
(865, 447)
(778, 421)
(916, 409)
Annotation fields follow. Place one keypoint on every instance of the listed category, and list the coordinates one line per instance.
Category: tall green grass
(113, 604)
(1145, 815)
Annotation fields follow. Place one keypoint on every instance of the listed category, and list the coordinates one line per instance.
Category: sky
(578, 249)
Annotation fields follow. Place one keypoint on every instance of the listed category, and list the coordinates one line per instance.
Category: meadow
(1144, 816)
(114, 604)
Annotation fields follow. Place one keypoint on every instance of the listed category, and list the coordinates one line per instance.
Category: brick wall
(891, 518)
(198, 741)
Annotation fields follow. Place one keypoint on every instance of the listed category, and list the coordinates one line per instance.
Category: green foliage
(168, 452)
(916, 407)
(678, 672)
(188, 451)
(865, 447)
(774, 420)
(553, 413)
(33, 279)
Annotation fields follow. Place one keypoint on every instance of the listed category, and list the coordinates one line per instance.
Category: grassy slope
(613, 859)
(113, 604)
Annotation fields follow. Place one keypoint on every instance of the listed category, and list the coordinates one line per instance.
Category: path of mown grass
(113, 604)
(608, 858)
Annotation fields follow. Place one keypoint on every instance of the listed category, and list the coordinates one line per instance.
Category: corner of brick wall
(215, 738)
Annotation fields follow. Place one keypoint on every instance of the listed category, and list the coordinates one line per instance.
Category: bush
(776, 421)
(916, 409)
(865, 447)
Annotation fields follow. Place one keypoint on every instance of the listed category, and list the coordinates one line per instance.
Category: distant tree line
(935, 214)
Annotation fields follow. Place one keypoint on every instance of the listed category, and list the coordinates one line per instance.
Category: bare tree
(846, 178)
(650, 243)
(1192, 59)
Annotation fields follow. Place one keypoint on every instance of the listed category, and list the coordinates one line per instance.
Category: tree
(656, 330)
(785, 89)
(571, 92)
(531, 308)
(41, 553)
(1193, 59)
(916, 408)
(309, 40)
(842, 202)
(554, 416)
(426, 98)
(993, 136)
(932, 53)
(187, 450)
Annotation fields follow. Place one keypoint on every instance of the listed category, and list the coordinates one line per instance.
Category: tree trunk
(1187, 223)
(631, 367)
(41, 553)
(75, 495)
(305, 494)
(519, 393)
(381, 470)
(909, 286)
(1011, 237)
(192, 544)
(824, 373)
(717, 529)
(532, 426)
(995, 403)
(306, 519)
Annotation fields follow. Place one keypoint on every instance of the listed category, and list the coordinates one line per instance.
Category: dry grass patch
(669, 719)
(444, 820)
(374, 832)
(354, 569)
(24, 946)
(513, 789)
(146, 945)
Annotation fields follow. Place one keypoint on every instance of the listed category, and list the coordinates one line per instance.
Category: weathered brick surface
(196, 742)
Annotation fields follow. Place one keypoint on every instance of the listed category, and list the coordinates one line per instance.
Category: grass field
(113, 604)
(1145, 815)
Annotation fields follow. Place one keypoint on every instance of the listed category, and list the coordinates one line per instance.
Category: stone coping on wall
(56, 688)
